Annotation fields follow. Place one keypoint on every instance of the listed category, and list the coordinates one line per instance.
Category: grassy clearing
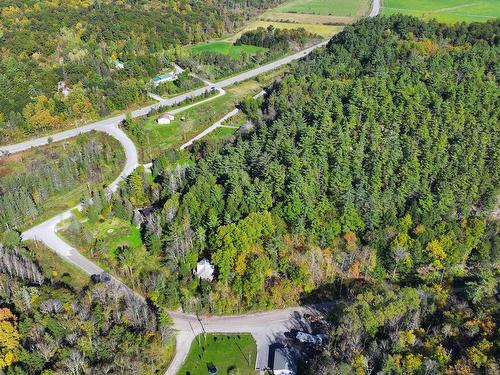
(221, 133)
(227, 49)
(226, 352)
(194, 120)
(56, 268)
(347, 8)
(325, 31)
(448, 11)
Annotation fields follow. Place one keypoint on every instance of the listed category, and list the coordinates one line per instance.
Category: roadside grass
(56, 268)
(57, 203)
(348, 8)
(447, 11)
(227, 48)
(114, 233)
(235, 352)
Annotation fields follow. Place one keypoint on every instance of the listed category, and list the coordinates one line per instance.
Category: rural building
(165, 118)
(204, 270)
(119, 65)
(171, 76)
(63, 88)
(283, 362)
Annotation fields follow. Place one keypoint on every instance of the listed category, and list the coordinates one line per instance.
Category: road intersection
(265, 327)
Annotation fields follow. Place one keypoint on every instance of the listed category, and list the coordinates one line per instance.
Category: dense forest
(47, 326)
(32, 180)
(369, 176)
(276, 39)
(60, 60)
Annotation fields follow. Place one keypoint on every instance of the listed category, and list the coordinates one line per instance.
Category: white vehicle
(310, 339)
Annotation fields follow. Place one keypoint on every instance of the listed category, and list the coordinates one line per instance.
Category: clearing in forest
(227, 48)
(448, 11)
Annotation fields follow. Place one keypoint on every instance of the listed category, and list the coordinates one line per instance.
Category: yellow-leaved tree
(9, 338)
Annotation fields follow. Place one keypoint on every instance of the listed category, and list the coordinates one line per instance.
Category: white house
(165, 118)
(204, 270)
(119, 65)
(63, 88)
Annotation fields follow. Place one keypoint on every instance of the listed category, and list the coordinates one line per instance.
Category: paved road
(46, 231)
(115, 120)
(265, 327)
(375, 8)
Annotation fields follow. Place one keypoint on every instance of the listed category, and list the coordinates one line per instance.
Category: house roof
(204, 269)
(282, 359)
(163, 76)
(167, 115)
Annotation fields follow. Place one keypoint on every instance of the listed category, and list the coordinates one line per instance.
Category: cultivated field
(347, 8)
(322, 17)
(322, 30)
(448, 11)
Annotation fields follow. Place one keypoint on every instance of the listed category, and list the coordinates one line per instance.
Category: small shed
(165, 118)
(205, 270)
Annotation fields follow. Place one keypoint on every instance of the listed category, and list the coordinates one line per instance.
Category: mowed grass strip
(345, 8)
(227, 49)
(228, 353)
(448, 11)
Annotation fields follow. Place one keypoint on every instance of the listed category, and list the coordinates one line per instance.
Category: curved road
(265, 327)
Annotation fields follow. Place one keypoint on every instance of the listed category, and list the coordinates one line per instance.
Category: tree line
(48, 327)
(56, 169)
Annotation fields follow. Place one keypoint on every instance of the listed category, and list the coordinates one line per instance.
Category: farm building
(204, 270)
(165, 118)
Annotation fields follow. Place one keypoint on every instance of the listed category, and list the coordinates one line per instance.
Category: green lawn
(226, 352)
(448, 11)
(341, 8)
(160, 138)
(227, 48)
(221, 133)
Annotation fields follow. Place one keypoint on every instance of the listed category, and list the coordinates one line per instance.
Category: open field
(448, 11)
(343, 8)
(321, 17)
(227, 48)
(230, 354)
